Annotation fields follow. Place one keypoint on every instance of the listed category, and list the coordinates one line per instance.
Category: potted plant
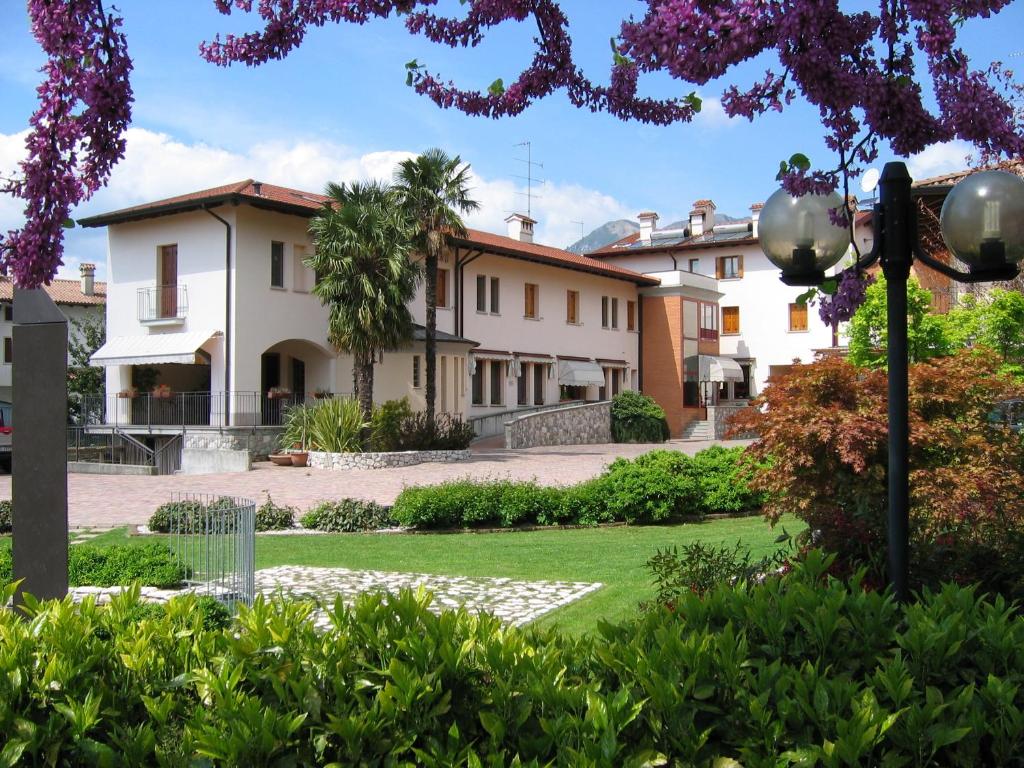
(322, 394)
(162, 392)
(278, 393)
(300, 457)
(128, 394)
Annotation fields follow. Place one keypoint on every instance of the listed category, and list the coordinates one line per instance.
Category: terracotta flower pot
(281, 459)
(299, 458)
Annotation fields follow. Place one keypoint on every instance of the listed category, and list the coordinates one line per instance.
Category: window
(604, 311)
(538, 384)
(524, 381)
(708, 322)
(616, 373)
(729, 267)
(481, 293)
(730, 321)
(497, 382)
(8, 349)
(572, 307)
(416, 381)
(798, 317)
(8, 312)
(478, 384)
(530, 308)
(495, 296)
(694, 265)
(630, 315)
(615, 314)
(277, 265)
(442, 288)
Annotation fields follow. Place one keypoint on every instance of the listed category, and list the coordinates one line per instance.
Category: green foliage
(386, 424)
(151, 565)
(347, 516)
(334, 425)
(445, 433)
(802, 670)
(928, 334)
(85, 336)
(189, 514)
(637, 418)
(273, 517)
(655, 487)
(700, 567)
(6, 515)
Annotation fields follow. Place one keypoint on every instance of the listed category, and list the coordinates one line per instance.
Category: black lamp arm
(938, 266)
(1006, 271)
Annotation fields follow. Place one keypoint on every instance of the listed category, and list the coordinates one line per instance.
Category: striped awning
(153, 349)
(577, 373)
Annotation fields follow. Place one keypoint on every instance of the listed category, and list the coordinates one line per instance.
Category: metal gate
(214, 538)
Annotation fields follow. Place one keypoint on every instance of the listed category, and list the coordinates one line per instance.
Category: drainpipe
(640, 342)
(460, 284)
(227, 316)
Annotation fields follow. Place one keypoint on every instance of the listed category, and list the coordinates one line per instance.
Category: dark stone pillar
(39, 472)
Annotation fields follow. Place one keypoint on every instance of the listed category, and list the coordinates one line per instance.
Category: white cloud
(712, 114)
(156, 165)
(939, 159)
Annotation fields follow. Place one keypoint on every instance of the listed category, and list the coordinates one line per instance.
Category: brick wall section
(663, 358)
(573, 425)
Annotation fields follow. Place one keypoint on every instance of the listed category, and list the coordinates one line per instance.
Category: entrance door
(168, 288)
(299, 379)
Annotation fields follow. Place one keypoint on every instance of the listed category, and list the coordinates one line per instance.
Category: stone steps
(699, 430)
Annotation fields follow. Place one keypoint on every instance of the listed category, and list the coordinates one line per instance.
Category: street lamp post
(982, 223)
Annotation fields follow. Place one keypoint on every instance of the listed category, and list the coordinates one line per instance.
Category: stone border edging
(343, 461)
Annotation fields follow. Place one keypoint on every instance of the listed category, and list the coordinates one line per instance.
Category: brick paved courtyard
(110, 500)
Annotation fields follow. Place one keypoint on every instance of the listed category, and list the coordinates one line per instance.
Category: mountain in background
(611, 231)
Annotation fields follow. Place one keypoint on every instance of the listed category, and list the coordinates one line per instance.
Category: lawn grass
(613, 556)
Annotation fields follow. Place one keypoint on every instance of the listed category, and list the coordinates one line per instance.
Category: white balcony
(163, 305)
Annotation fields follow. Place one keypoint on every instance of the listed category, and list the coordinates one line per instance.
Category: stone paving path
(96, 501)
(515, 602)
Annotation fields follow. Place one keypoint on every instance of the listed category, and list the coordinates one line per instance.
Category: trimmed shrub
(347, 516)
(469, 503)
(6, 515)
(652, 488)
(722, 476)
(151, 565)
(386, 425)
(800, 670)
(189, 513)
(449, 433)
(637, 418)
(273, 517)
(585, 503)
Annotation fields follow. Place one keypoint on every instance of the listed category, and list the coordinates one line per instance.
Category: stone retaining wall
(322, 460)
(573, 425)
(719, 416)
(259, 442)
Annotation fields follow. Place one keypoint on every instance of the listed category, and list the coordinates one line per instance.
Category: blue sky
(338, 107)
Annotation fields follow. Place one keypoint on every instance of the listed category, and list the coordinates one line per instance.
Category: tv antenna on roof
(530, 164)
(582, 233)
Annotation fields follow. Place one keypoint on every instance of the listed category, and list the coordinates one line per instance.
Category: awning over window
(724, 369)
(153, 349)
(578, 373)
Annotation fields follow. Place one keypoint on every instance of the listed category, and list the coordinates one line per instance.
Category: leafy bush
(652, 488)
(802, 670)
(823, 453)
(449, 433)
(190, 514)
(469, 503)
(585, 503)
(297, 423)
(637, 418)
(722, 476)
(386, 425)
(347, 516)
(274, 517)
(701, 567)
(152, 565)
(6, 515)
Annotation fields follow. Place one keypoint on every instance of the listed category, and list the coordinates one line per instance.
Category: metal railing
(186, 409)
(107, 448)
(214, 540)
(162, 302)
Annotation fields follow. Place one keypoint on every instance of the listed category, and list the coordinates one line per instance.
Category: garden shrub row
(193, 515)
(637, 418)
(347, 516)
(797, 671)
(659, 486)
(152, 565)
(6, 515)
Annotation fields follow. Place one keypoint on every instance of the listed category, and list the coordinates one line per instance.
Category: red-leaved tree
(858, 67)
(823, 452)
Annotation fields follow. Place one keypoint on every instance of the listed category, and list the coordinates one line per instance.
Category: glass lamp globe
(982, 220)
(798, 236)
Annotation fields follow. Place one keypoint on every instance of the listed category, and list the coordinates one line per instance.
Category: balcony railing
(186, 409)
(707, 334)
(162, 302)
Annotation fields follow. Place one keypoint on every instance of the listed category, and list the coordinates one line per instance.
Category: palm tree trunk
(364, 378)
(430, 344)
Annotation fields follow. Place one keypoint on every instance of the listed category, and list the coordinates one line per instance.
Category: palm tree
(363, 243)
(434, 190)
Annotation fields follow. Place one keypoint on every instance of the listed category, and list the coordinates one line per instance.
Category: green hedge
(152, 565)
(656, 487)
(6, 515)
(637, 418)
(799, 671)
(347, 516)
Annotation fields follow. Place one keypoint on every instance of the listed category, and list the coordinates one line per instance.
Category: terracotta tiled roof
(629, 243)
(545, 254)
(250, 191)
(62, 292)
(1013, 166)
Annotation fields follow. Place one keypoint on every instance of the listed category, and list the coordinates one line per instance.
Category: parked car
(6, 435)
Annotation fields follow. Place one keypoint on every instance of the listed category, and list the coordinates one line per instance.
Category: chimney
(88, 279)
(648, 223)
(520, 227)
(702, 217)
(755, 217)
(257, 188)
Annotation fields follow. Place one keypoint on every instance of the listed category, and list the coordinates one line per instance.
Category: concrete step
(699, 430)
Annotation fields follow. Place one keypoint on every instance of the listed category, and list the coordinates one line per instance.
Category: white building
(210, 309)
(760, 325)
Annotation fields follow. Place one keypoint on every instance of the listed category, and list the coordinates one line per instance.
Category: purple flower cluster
(851, 291)
(77, 131)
